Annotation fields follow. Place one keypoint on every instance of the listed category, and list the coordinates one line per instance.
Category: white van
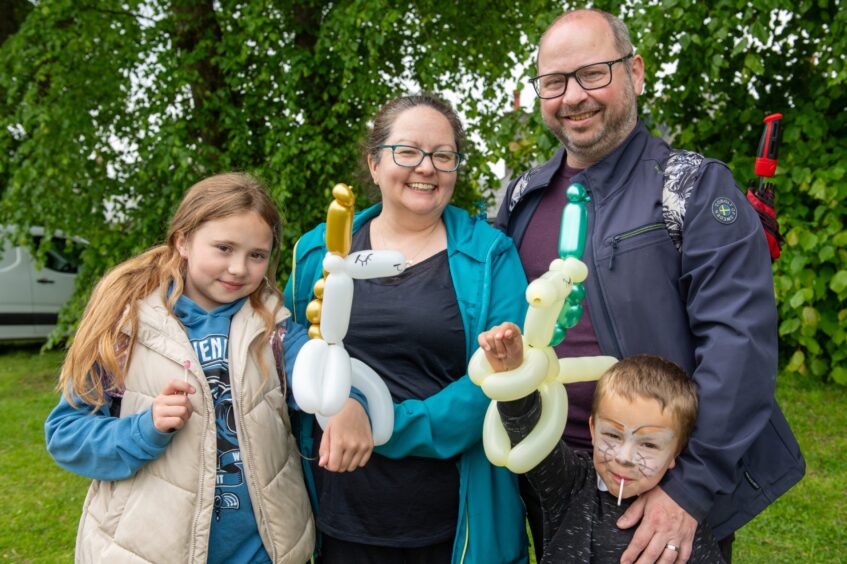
(30, 299)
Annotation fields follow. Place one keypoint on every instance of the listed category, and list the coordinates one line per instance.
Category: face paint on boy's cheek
(648, 466)
(607, 450)
(631, 447)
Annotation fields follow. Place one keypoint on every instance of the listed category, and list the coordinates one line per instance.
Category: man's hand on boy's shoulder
(667, 524)
(503, 346)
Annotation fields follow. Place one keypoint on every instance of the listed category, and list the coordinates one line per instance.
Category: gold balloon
(344, 194)
(339, 239)
(313, 312)
(339, 220)
(319, 288)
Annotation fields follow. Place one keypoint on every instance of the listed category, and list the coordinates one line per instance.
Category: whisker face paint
(646, 448)
(635, 442)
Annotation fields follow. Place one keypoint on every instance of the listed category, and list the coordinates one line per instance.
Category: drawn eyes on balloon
(364, 260)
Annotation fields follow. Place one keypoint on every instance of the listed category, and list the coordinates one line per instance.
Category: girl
(170, 403)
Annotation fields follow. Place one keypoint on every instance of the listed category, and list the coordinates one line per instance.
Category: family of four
(176, 398)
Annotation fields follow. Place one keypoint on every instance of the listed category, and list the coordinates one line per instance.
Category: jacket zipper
(467, 534)
(600, 303)
(207, 398)
(629, 234)
(244, 445)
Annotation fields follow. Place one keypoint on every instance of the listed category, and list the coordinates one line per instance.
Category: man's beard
(607, 138)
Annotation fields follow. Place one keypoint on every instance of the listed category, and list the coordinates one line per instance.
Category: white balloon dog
(323, 371)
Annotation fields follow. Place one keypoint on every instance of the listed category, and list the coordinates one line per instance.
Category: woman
(429, 494)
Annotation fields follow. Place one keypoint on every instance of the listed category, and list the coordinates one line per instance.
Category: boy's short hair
(653, 377)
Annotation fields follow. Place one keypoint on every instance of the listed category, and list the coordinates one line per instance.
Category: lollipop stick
(186, 364)
(620, 492)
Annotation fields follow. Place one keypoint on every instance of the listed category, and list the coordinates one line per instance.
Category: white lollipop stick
(620, 492)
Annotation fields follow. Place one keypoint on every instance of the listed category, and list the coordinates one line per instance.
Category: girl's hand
(172, 408)
(503, 346)
(347, 442)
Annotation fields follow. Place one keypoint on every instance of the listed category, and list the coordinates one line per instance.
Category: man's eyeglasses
(590, 77)
(410, 157)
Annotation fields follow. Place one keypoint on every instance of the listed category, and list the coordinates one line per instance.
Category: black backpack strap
(681, 173)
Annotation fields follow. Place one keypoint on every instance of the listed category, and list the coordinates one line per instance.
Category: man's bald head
(618, 29)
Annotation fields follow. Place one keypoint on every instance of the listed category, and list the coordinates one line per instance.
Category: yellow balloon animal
(541, 370)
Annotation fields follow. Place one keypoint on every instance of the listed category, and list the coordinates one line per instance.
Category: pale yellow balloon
(545, 296)
(479, 368)
(538, 365)
(529, 452)
(552, 364)
(584, 368)
(540, 370)
(495, 440)
(520, 382)
(573, 268)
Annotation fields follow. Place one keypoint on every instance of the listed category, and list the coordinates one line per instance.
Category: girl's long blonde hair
(93, 366)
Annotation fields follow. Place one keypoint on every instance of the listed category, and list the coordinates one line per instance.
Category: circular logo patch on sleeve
(724, 210)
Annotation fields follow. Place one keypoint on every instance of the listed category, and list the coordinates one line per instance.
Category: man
(708, 305)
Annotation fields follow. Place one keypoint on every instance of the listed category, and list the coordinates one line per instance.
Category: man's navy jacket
(709, 307)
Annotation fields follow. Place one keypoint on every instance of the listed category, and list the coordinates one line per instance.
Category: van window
(63, 256)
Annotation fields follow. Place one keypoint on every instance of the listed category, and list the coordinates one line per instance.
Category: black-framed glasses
(410, 157)
(589, 77)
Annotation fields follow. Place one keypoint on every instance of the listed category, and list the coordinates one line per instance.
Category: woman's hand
(503, 346)
(347, 441)
(172, 408)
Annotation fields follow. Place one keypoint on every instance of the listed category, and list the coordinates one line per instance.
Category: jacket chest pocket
(625, 242)
(639, 258)
(638, 274)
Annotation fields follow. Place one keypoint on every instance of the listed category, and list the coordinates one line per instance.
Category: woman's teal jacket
(490, 284)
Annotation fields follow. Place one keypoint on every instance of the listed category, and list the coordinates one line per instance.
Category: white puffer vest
(163, 513)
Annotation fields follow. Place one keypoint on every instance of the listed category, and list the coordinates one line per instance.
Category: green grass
(40, 509)
(808, 523)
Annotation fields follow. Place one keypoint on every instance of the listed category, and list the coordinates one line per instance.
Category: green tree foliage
(735, 63)
(114, 110)
(714, 70)
(110, 110)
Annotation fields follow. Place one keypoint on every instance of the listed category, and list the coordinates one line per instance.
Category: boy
(643, 412)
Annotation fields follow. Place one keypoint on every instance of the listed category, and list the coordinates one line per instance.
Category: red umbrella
(761, 196)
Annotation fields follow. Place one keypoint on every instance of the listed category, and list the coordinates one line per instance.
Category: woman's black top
(408, 328)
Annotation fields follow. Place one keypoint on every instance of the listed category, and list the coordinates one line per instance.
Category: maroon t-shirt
(539, 247)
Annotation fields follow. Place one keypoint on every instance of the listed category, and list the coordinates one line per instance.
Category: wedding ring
(673, 547)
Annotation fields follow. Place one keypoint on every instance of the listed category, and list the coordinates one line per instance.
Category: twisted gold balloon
(339, 238)
(339, 221)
